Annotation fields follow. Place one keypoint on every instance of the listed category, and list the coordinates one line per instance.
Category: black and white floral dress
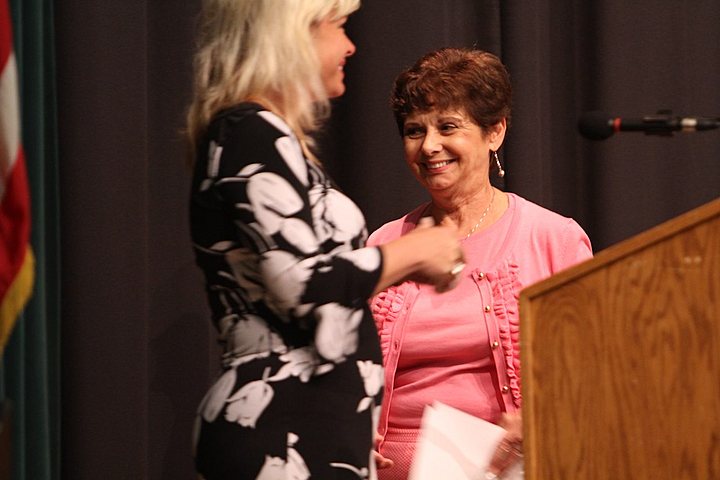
(287, 279)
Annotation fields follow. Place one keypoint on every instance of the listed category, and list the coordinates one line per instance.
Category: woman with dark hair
(461, 348)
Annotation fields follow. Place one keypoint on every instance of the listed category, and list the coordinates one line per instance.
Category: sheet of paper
(457, 445)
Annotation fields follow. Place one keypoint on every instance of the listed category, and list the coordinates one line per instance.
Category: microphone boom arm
(599, 126)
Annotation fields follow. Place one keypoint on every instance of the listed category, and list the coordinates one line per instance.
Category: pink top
(461, 347)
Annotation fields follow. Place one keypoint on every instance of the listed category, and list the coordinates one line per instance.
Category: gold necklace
(482, 217)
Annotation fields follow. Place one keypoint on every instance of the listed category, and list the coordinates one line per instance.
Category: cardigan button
(505, 388)
(494, 345)
(481, 275)
(396, 305)
(487, 308)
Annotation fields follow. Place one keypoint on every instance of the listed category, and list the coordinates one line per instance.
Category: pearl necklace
(482, 217)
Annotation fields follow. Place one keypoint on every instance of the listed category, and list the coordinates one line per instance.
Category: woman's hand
(509, 450)
(435, 271)
(380, 461)
(430, 254)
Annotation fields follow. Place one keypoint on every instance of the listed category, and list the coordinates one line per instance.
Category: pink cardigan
(527, 244)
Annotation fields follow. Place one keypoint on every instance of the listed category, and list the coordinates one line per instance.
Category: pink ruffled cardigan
(527, 244)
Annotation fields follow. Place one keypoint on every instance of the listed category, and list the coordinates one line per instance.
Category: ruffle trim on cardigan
(386, 307)
(506, 288)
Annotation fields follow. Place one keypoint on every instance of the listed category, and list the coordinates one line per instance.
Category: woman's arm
(426, 254)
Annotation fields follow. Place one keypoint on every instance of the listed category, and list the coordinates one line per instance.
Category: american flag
(16, 257)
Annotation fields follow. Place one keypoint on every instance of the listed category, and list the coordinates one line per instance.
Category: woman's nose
(351, 48)
(432, 143)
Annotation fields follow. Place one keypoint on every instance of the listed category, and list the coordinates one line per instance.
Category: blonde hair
(261, 50)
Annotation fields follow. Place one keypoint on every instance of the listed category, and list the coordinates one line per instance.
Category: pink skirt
(399, 446)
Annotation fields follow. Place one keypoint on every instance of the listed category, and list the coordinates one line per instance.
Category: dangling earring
(501, 172)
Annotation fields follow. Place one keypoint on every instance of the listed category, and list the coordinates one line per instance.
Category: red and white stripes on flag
(16, 258)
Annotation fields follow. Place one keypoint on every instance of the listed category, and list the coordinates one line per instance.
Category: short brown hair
(454, 78)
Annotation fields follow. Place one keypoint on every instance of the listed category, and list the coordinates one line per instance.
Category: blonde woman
(283, 251)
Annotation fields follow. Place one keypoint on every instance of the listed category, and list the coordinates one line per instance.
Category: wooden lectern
(621, 359)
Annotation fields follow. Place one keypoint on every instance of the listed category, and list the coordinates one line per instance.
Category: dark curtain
(137, 349)
(565, 57)
(31, 363)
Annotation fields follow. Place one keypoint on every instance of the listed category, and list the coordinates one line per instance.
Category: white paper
(456, 445)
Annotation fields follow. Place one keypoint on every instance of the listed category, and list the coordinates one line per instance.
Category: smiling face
(448, 153)
(332, 46)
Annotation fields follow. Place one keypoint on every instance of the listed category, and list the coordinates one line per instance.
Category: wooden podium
(621, 359)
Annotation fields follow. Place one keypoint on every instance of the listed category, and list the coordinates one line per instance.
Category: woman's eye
(413, 132)
(447, 127)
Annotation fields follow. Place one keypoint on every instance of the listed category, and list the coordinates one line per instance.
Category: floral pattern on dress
(248, 403)
(287, 278)
(294, 468)
(373, 378)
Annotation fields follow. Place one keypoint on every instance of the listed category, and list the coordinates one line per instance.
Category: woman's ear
(496, 134)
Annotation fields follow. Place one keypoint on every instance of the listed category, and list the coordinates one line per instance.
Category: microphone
(599, 126)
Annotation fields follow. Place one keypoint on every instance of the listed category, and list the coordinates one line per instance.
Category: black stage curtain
(137, 350)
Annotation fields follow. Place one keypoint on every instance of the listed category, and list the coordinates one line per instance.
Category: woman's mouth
(436, 165)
